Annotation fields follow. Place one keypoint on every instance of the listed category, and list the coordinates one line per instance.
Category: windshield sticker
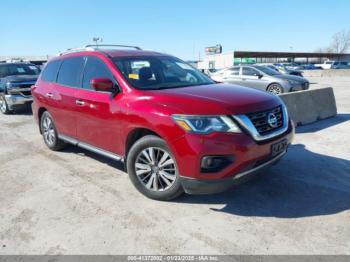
(134, 76)
(20, 70)
(33, 67)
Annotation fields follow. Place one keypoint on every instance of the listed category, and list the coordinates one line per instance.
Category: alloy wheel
(3, 106)
(155, 169)
(275, 89)
(48, 131)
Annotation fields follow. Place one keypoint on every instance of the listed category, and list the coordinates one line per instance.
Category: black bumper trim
(208, 186)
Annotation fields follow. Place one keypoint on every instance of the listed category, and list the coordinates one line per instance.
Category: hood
(215, 99)
(20, 78)
(291, 77)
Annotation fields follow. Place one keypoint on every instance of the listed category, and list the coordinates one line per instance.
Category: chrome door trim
(91, 148)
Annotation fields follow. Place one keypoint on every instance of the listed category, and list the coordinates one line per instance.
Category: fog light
(210, 164)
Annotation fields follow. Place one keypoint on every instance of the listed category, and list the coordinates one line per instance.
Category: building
(223, 60)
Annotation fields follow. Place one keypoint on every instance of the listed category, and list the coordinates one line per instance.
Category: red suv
(175, 129)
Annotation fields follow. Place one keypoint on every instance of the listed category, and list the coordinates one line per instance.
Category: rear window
(49, 73)
(71, 71)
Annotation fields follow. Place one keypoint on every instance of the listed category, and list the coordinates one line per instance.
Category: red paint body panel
(105, 122)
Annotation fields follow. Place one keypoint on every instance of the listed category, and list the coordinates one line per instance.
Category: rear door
(62, 95)
(232, 76)
(98, 112)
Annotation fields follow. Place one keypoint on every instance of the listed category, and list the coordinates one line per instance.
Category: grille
(26, 93)
(259, 120)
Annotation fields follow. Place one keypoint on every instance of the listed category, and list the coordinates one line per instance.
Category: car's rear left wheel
(153, 169)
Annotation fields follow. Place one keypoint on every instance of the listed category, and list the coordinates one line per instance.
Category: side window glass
(95, 68)
(70, 71)
(234, 71)
(247, 71)
(49, 73)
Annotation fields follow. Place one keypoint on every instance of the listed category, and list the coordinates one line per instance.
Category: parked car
(15, 82)
(289, 66)
(175, 129)
(263, 78)
(284, 70)
(340, 65)
(310, 67)
(334, 65)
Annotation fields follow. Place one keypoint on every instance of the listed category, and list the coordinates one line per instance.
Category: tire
(3, 106)
(275, 89)
(49, 132)
(153, 170)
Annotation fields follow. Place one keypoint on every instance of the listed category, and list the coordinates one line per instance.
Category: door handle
(79, 102)
(49, 95)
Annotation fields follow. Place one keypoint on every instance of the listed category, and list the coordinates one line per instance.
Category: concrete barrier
(305, 107)
(327, 73)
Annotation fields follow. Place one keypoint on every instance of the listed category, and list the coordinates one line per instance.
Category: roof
(111, 51)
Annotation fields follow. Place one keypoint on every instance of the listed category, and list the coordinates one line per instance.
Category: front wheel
(153, 170)
(275, 89)
(49, 132)
(3, 106)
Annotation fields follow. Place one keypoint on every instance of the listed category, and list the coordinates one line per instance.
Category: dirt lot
(75, 202)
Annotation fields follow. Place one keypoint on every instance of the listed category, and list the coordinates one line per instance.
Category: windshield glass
(18, 69)
(267, 70)
(159, 72)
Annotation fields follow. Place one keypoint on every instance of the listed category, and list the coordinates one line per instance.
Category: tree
(341, 42)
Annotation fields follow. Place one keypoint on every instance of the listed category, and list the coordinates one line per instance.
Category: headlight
(206, 124)
(293, 82)
(8, 85)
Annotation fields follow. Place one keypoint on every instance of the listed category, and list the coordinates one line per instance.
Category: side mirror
(259, 76)
(102, 84)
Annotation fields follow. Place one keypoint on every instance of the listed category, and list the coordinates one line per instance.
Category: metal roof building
(228, 59)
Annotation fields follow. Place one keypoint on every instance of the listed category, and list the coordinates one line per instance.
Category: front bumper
(202, 186)
(17, 99)
(249, 156)
(301, 86)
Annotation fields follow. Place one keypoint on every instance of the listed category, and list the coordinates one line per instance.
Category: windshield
(267, 70)
(18, 69)
(159, 72)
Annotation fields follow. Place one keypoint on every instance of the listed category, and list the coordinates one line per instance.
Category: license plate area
(279, 147)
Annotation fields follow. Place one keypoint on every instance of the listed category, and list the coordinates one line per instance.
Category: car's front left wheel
(3, 106)
(153, 170)
(49, 132)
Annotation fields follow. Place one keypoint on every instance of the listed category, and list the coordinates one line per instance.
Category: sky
(178, 27)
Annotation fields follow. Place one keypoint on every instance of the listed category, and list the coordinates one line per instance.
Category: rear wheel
(275, 89)
(153, 169)
(49, 132)
(3, 105)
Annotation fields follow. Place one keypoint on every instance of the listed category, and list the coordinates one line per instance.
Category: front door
(252, 78)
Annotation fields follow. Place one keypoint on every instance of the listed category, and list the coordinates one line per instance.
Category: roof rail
(94, 48)
(127, 46)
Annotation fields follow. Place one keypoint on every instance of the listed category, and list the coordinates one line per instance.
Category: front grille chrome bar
(247, 124)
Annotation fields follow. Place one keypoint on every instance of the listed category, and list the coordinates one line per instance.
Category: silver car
(261, 77)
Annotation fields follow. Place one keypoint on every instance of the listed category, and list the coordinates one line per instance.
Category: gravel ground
(75, 202)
